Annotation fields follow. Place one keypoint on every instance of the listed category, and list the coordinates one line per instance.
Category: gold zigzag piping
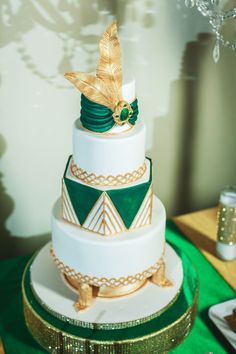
(99, 180)
(67, 205)
(96, 213)
(104, 204)
(117, 217)
(65, 213)
(149, 209)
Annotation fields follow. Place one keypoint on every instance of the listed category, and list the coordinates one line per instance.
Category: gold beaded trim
(56, 341)
(96, 180)
(111, 282)
(226, 218)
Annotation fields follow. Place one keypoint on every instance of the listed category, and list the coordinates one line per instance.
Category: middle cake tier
(110, 207)
(86, 256)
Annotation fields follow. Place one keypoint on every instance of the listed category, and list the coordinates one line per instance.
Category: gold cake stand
(158, 335)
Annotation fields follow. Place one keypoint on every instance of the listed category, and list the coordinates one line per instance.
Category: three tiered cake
(113, 268)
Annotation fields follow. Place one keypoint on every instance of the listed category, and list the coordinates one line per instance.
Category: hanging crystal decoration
(189, 3)
(217, 17)
(216, 51)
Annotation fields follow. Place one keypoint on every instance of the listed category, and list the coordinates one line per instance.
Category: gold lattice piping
(99, 180)
(112, 282)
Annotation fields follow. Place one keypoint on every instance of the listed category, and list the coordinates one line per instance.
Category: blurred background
(187, 101)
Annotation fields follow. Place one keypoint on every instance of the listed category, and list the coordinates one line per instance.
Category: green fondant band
(98, 118)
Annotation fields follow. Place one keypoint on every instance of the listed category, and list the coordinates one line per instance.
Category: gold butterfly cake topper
(102, 103)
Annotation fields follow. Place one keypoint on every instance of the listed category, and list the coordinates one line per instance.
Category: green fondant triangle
(82, 198)
(128, 201)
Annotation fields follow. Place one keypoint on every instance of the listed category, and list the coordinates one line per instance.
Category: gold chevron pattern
(104, 218)
(144, 215)
(68, 212)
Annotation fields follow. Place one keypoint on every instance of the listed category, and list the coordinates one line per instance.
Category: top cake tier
(118, 152)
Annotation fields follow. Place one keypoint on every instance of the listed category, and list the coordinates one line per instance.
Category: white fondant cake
(109, 155)
(108, 225)
(127, 254)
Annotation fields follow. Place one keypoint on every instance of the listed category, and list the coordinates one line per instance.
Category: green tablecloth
(203, 338)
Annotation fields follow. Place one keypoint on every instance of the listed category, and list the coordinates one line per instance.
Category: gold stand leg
(159, 278)
(85, 296)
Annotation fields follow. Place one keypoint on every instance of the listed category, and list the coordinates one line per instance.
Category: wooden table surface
(200, 228)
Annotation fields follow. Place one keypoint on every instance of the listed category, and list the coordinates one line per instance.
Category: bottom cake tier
(151, 320)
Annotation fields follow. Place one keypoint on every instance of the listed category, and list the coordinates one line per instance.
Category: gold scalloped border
(100, 180)
(111, 282)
